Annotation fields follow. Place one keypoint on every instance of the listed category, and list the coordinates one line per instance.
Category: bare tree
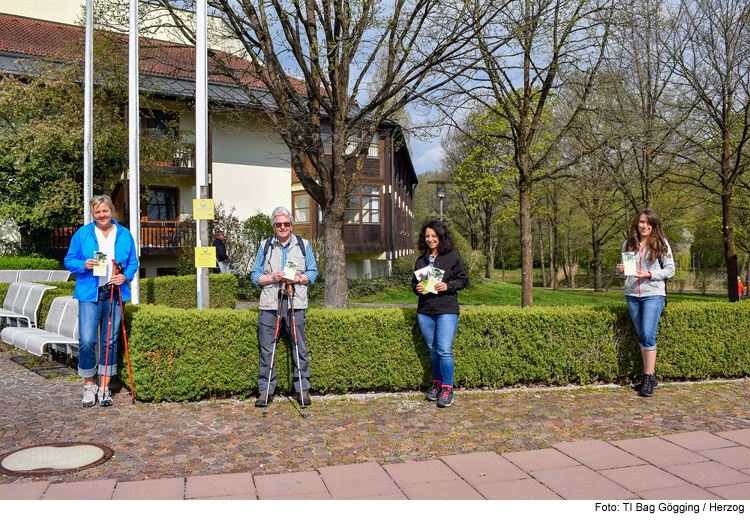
(712, 54)
(537, 52)
(642, 104)
(601, 204)
(332, 49)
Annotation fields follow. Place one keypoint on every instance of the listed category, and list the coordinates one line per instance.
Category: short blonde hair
(101, 199)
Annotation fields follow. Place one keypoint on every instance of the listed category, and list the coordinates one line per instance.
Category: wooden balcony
(183, 163)
(157, 238)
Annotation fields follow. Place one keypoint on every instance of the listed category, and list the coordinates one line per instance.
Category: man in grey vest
(268, 273)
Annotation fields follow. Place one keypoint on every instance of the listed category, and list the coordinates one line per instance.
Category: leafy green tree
(41, 153)
(41, 140)
(484, 179)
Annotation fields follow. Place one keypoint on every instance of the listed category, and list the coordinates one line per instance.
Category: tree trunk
(541, 252)
(551, 253)
(597, 247)
(730, 255)
(571, 269)
(489, 246)
(554, 249)
(336, 293)
(527, 260)
(502, 260)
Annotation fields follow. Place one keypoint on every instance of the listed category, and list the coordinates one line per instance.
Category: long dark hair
(657, 242)
(445, 243)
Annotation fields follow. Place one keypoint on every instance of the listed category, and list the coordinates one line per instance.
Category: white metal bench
(34, 275)
(60, 330)
(59, 276)
(8, 276)
(10, 296)
(25, 303)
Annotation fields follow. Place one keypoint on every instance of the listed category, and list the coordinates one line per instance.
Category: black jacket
(221, 250)
(455, 277)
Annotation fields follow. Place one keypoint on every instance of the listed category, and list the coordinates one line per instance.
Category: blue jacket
(82, 247)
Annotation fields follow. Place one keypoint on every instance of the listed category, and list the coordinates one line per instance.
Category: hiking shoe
(89, 395)
(434, 392)
(303, 398)
(648, 385)
(637, 387)
(105, 397)
(261, 401)
(445, 398)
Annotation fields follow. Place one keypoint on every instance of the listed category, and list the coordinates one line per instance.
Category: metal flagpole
(201, 138)
(88, 120)
(135, 146)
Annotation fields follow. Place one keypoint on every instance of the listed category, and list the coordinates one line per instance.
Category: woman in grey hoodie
(645, 290)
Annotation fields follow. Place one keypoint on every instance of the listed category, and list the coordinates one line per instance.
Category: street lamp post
(441, 195)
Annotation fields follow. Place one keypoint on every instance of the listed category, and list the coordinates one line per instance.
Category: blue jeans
(438, 332)
(645, 313)
(92, 315)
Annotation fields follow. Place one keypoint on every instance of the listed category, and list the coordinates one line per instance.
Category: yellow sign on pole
(205, 257)
(203, 209)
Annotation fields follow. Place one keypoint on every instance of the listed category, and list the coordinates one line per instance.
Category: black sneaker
(648, 385)
(637, 386)
(445, 399)
(261, 401)
(303, 398)
(434, 392)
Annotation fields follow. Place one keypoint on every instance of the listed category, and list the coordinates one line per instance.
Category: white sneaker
(105, 398)
(89, 395)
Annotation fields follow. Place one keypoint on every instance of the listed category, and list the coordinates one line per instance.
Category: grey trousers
(266, 328)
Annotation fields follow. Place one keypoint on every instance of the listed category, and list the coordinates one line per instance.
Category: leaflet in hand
(628, 261)
(429, 276)
(290, 269)
(100, 270)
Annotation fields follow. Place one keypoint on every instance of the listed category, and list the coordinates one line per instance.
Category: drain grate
(42, 367)
(53, 459)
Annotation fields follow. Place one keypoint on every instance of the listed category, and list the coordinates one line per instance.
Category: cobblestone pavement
(227, 436)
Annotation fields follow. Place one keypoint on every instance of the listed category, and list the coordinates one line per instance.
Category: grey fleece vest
(269, 297)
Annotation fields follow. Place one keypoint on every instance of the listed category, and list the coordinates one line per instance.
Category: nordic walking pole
(273, 349)
(125, 339)
(296, 351)
(109, 326)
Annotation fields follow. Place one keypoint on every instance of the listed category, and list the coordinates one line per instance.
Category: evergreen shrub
(182, 291)
(28, 263)
(180, 355)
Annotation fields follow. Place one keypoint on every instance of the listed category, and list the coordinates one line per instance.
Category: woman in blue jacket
(99, 245)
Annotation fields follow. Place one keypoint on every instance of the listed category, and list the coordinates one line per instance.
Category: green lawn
(494, 293)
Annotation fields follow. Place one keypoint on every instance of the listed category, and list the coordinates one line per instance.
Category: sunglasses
(279, 225)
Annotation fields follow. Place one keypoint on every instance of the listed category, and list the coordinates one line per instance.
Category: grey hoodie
(657, 284)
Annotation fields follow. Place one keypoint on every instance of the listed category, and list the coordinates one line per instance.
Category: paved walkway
(690, 441)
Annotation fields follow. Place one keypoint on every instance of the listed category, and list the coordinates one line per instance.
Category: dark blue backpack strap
(301, 245)
(269, 244)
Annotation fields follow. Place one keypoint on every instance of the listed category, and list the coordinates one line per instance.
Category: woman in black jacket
(437, 313)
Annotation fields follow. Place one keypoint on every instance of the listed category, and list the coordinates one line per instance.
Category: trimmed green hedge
(28, 263)
(182, 355)
(182, 292)
(177, 292)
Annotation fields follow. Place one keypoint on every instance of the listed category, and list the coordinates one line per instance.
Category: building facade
(249, 165)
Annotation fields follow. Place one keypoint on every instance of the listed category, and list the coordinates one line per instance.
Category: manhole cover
(53, 459)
